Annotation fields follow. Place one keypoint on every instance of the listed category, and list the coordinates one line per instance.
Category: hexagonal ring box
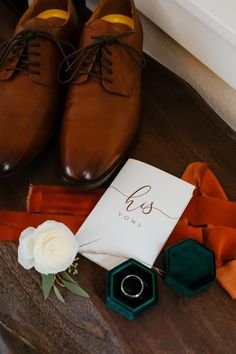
(189, 267)
(137, 278)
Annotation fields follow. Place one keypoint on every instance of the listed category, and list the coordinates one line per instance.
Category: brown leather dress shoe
(103, 103)
(28, 80)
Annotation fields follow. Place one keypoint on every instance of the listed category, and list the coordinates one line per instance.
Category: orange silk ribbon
(64, 204)
(210, 218)
(12, 223)
(62, 200)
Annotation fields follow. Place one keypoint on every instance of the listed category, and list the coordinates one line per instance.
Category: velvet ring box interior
(189, 267)
(118, 301)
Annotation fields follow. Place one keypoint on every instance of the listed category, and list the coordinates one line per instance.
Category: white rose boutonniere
(51, 249)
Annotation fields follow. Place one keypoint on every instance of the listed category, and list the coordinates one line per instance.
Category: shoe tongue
(36, 23)
(103, 27)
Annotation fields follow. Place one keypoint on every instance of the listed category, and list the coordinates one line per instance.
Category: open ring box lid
(189, 267)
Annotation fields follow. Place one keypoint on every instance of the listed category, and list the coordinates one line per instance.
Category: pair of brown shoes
(102, 105)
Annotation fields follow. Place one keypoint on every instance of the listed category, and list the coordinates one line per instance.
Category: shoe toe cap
(90, 173)
(80, 174)
(75, 172)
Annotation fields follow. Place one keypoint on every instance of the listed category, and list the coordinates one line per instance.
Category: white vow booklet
(135, 216)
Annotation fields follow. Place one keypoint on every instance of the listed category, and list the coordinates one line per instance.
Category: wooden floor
(177, 128)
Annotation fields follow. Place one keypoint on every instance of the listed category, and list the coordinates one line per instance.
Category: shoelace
(99, 55)
(20, 46)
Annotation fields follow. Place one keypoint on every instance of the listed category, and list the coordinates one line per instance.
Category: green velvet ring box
(118, 301)
(189, 267)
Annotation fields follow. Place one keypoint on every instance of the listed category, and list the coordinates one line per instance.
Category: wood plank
(177, 128)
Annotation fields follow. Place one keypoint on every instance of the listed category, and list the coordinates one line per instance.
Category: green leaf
(47, 283)
(67, 277)
(74, 288)
(58, 294)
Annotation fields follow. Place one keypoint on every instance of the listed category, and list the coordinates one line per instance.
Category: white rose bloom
(50, 248)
